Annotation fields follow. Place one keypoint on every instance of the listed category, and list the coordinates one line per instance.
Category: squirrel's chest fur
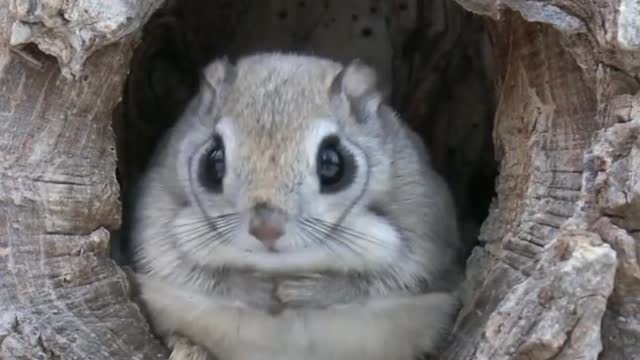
(274, 294)
(390, 327)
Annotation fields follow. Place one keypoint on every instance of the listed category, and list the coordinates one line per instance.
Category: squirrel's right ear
(215, 78)
(218, 74)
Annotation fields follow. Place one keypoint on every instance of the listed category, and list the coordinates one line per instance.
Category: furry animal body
(290, 214)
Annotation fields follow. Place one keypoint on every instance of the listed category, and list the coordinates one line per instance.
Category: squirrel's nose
(267, 223)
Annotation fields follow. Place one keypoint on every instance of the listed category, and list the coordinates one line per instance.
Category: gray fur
(388, 295)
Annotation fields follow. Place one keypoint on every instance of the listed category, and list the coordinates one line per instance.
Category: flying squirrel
(291, 214)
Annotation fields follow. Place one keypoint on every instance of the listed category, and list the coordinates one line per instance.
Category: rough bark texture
(556, 275)
(73, 30)
(61, 296)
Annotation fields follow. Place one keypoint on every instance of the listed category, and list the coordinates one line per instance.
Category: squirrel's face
(292, 173)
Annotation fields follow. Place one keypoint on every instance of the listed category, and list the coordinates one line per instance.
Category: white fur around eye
(226, 130)
(324, 204)
(321, 129)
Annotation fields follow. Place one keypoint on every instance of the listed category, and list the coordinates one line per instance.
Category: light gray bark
(61, 297)
(558, 275)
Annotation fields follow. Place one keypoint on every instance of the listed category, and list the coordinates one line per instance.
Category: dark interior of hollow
(441, 75)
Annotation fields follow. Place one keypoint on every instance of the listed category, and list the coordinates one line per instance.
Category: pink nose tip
(267, 224)
(267, 233)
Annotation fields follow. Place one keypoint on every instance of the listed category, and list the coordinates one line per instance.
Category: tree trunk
(61, 296)
(555, 275)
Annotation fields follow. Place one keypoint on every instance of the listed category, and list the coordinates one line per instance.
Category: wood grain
(556, 276)
(61, 296)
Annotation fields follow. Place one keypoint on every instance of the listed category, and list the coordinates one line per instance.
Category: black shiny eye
(335, 166)
(212, 167)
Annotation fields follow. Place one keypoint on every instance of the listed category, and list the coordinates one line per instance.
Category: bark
(61, 296)
(556, 273)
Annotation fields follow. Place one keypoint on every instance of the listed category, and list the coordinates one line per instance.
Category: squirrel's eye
(334, 166)
(212, 169)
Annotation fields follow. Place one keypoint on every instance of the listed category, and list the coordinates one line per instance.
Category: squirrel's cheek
(378, 240)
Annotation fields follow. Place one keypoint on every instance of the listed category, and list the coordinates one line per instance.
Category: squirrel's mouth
(266, 249)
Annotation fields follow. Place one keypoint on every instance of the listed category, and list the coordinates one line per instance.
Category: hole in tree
(446, 96)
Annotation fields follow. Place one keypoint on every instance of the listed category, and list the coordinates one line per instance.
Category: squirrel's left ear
(354, 90)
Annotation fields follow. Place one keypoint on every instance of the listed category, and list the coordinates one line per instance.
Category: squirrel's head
(283, 162)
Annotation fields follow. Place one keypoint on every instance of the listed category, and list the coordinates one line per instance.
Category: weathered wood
(558, 253)
(73, 31)
(61, 296)
(615, 193)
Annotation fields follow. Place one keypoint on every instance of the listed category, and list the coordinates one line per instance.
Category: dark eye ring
(334, 165)
(213, 166)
